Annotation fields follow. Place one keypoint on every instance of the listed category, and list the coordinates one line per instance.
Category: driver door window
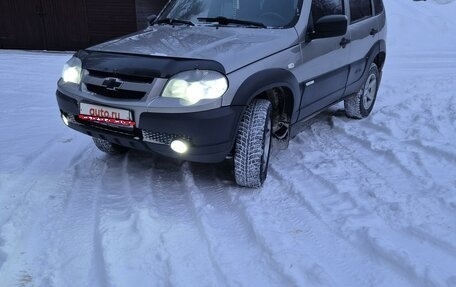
(321, 8)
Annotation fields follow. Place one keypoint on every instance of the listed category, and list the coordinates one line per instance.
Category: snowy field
(350, 203)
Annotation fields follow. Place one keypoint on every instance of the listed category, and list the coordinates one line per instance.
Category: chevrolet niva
(215, 79)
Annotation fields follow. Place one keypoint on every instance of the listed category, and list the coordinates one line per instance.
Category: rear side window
(378, 6)
(360, 9)
(321, 8)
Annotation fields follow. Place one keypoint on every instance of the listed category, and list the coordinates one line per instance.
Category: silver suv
(216, 79)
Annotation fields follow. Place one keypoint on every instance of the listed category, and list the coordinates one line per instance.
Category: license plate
(107, 115)
(104, 112)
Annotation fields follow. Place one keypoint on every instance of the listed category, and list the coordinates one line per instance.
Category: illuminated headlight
(72, 71)
(194, 86)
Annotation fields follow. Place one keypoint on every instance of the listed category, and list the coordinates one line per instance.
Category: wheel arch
(377, 55)
(279, 83)
(380, 58)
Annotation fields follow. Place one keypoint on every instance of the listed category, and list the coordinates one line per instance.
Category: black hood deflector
(143, 65)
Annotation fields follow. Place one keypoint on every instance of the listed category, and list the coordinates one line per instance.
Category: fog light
(179, 146)
(65, 120)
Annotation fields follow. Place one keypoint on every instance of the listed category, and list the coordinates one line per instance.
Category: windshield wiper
(173, 21)
(227, 21)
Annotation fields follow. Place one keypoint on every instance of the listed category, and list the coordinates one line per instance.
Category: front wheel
(253, 145)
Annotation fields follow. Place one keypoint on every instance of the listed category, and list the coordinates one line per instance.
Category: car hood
(233, 47)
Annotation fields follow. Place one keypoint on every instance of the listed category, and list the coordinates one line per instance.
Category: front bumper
(210, 134)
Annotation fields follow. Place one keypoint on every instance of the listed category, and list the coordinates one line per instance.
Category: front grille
(123, 77)
(161, 138)
(118, 86)
(119, 94)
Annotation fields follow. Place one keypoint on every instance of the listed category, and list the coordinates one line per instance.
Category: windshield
(270, 13)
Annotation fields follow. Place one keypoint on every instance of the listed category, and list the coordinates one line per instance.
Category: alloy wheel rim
(370, 90)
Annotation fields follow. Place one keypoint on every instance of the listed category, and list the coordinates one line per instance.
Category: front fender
(265, 80)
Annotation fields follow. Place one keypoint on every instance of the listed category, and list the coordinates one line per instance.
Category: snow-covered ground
(350, 203)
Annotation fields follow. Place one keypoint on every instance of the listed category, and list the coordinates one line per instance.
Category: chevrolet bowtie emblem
(112, 84)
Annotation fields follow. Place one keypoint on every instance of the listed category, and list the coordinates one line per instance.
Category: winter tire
(360, 104)
(253, 144)
(109, 147)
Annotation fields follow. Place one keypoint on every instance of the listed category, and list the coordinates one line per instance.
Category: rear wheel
(253, 145)
(108, 147)
(360, 104)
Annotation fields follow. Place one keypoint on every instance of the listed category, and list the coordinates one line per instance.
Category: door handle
(345, 42)
(373, 32)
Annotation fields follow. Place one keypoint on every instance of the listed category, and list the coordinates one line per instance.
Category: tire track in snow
(82, 156)
(328, 255)
(167, 243)
(441, 244)
(142, 225)
(364, 144)
(71, 243)
(31, 210)
(121, 218)
(334, 200)
(371, 142)
(335, 219)
(196, 244)
(388, 156)
(334, 143)
(391, 158)
(78, 230)
(401, 254)
(339, 166)
(423, 187)
(231, 230)
(59, 231)
(218, 270)
(372, 248)
(98, 275)
(26, 179)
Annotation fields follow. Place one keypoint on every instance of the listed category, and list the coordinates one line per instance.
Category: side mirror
(330, 26)
(151, 19)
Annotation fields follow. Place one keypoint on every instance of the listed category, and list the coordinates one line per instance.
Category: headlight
(193, 86)
(72, 71)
